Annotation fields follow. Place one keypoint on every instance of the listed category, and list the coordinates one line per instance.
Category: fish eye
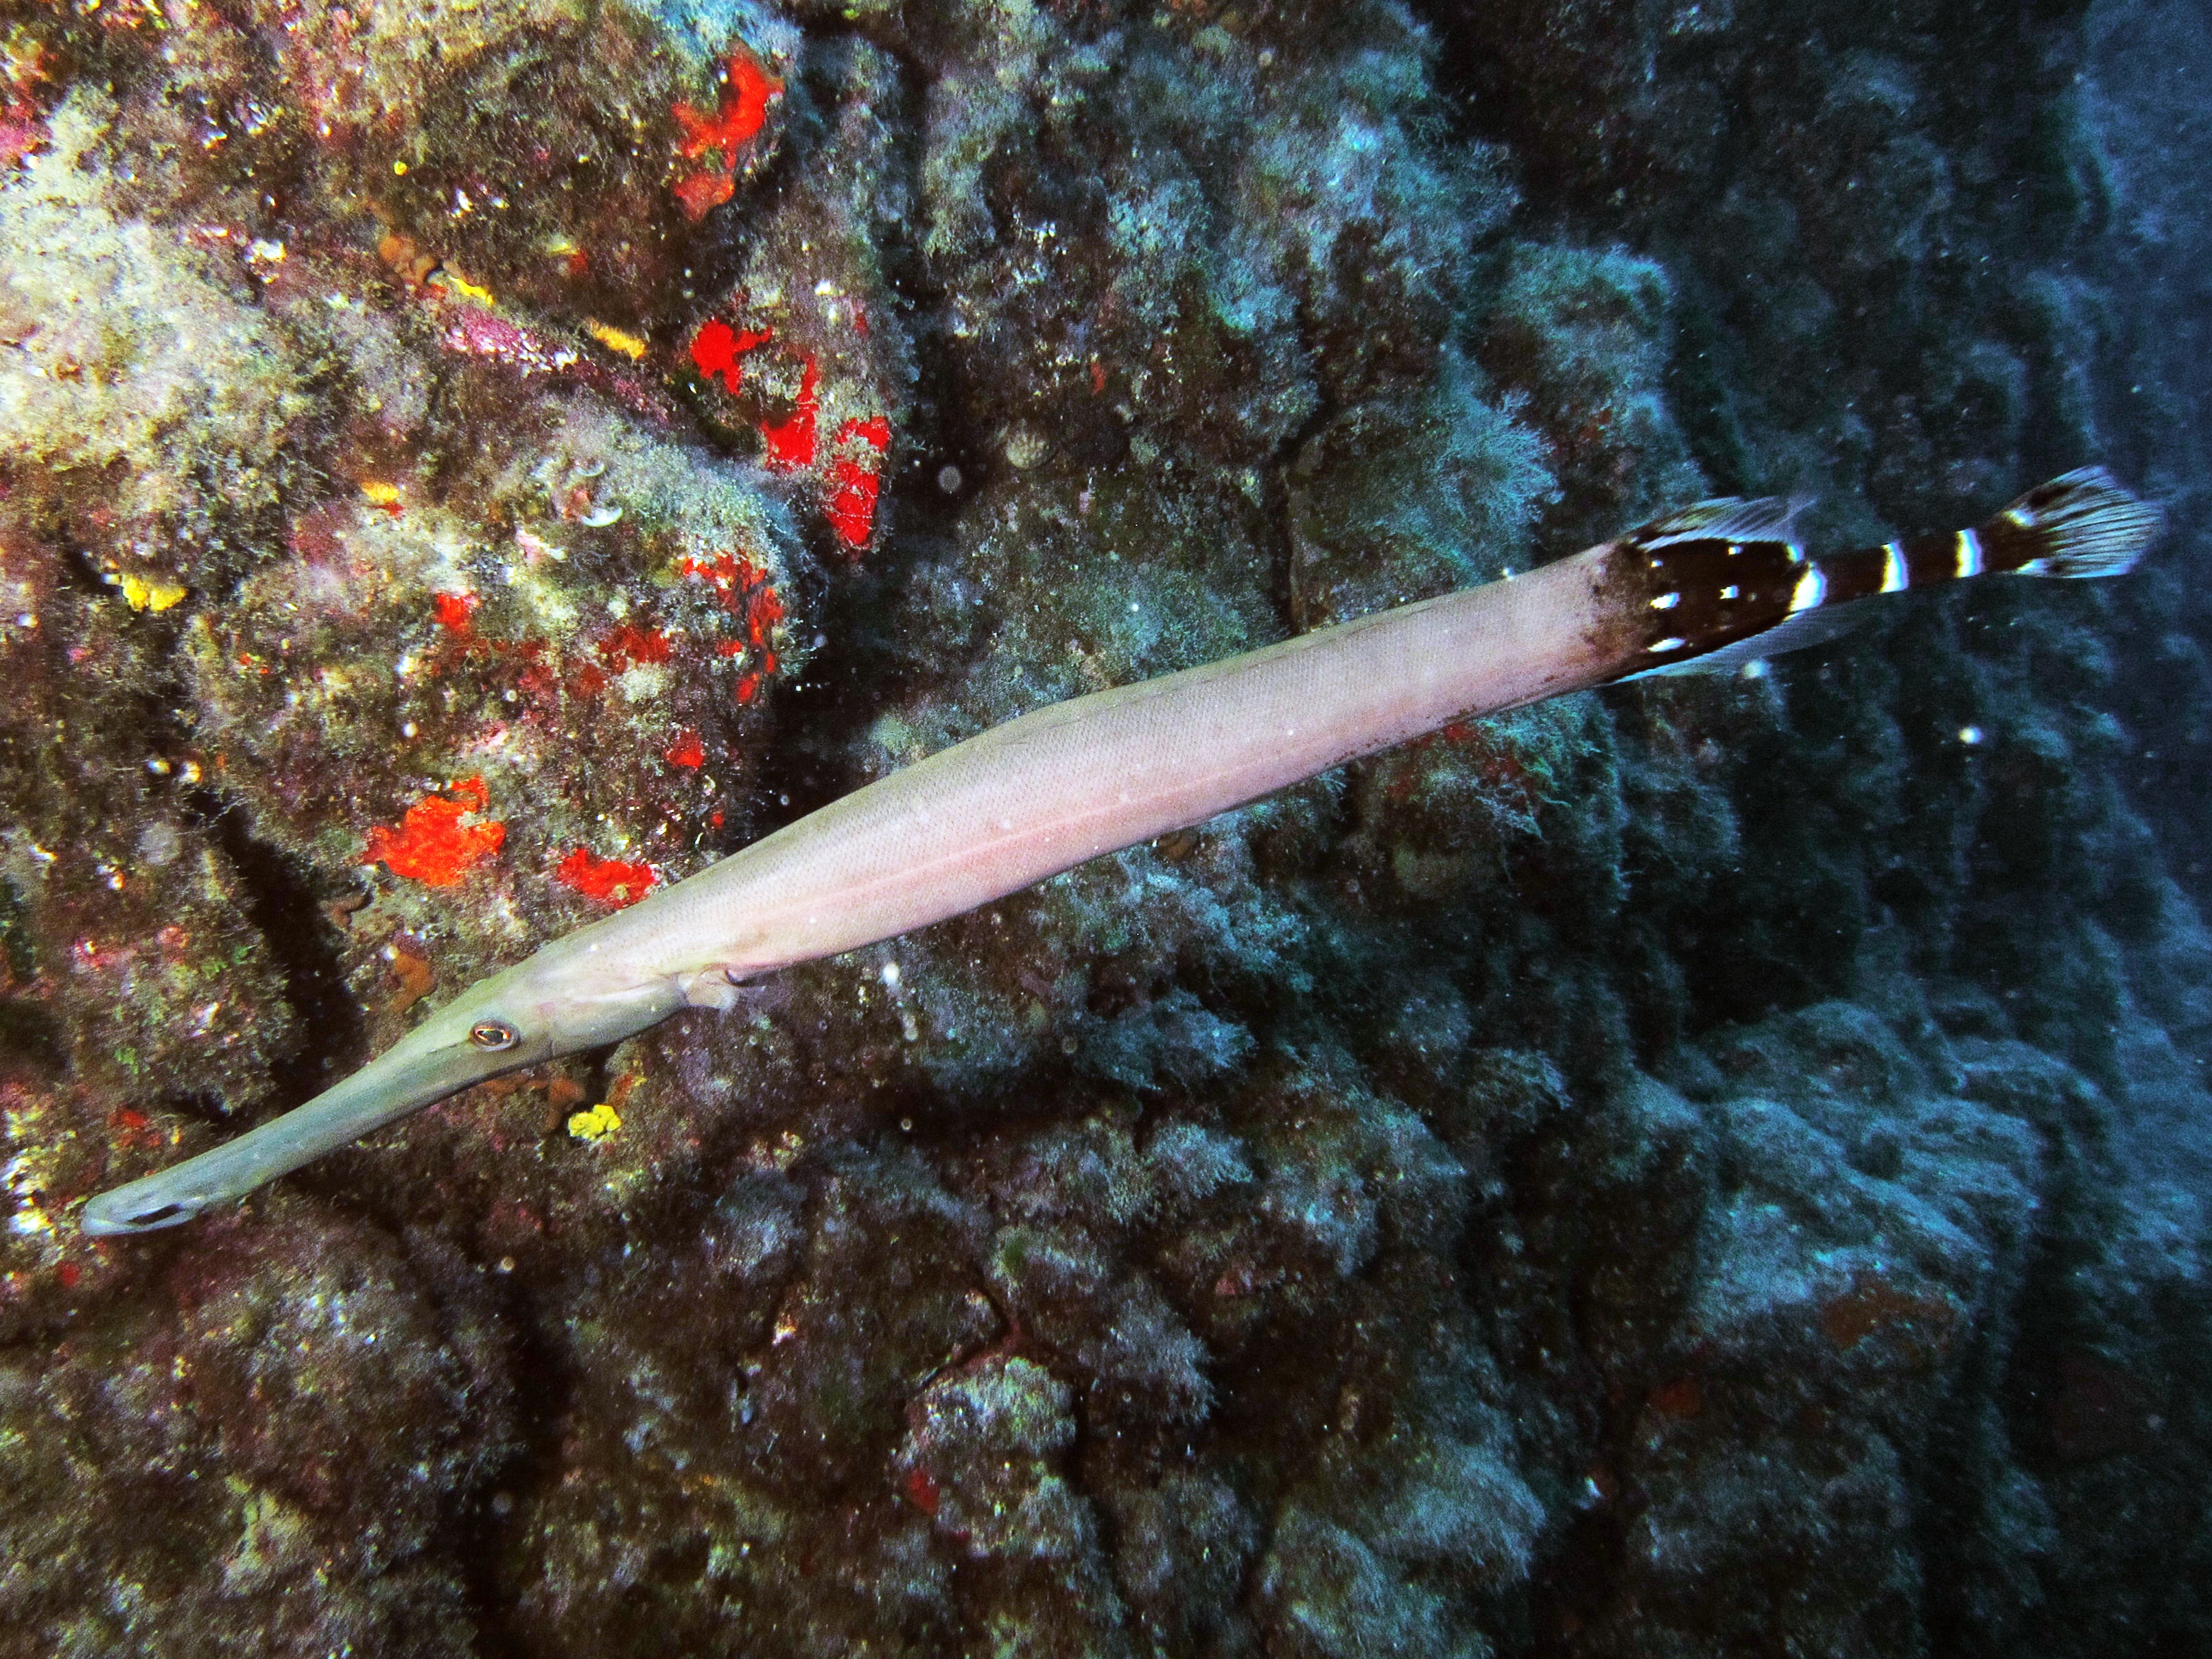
(494, 1035)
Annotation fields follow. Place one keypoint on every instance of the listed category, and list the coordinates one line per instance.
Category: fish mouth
(120, 1211)
(103, 1218)
(406, 1078)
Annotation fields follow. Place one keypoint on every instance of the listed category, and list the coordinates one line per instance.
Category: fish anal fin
(1799, 633)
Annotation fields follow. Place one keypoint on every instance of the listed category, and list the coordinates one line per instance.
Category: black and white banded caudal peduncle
(1724, 581)
(1700, 589)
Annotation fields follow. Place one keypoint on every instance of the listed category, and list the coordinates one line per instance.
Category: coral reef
(1713, 1167)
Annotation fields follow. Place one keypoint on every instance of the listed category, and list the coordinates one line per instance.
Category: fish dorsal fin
(1722, 518)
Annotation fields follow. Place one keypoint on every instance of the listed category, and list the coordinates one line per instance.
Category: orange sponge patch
(434, 844)
(609, 880)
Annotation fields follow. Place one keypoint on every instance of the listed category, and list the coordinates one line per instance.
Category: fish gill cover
(1714, 1167)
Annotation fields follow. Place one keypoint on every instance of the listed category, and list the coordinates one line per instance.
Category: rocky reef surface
(1716, 1166)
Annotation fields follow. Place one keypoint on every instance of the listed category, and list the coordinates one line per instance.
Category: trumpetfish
(1709, 587)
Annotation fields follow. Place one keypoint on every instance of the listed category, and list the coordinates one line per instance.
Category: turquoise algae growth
(1710, 1167)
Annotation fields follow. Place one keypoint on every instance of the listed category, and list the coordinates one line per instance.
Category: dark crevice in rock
(483, 1536)
(1281, 509)
(863, 663)
(206, 1108)
(28, 1032)
(286, 908)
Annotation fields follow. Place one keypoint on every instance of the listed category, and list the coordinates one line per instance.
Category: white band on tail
(1811, 588)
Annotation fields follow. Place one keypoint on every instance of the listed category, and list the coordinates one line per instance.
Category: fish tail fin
(2080, 525)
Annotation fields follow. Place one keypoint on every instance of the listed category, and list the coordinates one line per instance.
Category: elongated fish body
(1706, 589)
(1072, 781)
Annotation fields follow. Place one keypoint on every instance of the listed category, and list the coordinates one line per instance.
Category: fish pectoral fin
(712, 987)
(727, 990)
